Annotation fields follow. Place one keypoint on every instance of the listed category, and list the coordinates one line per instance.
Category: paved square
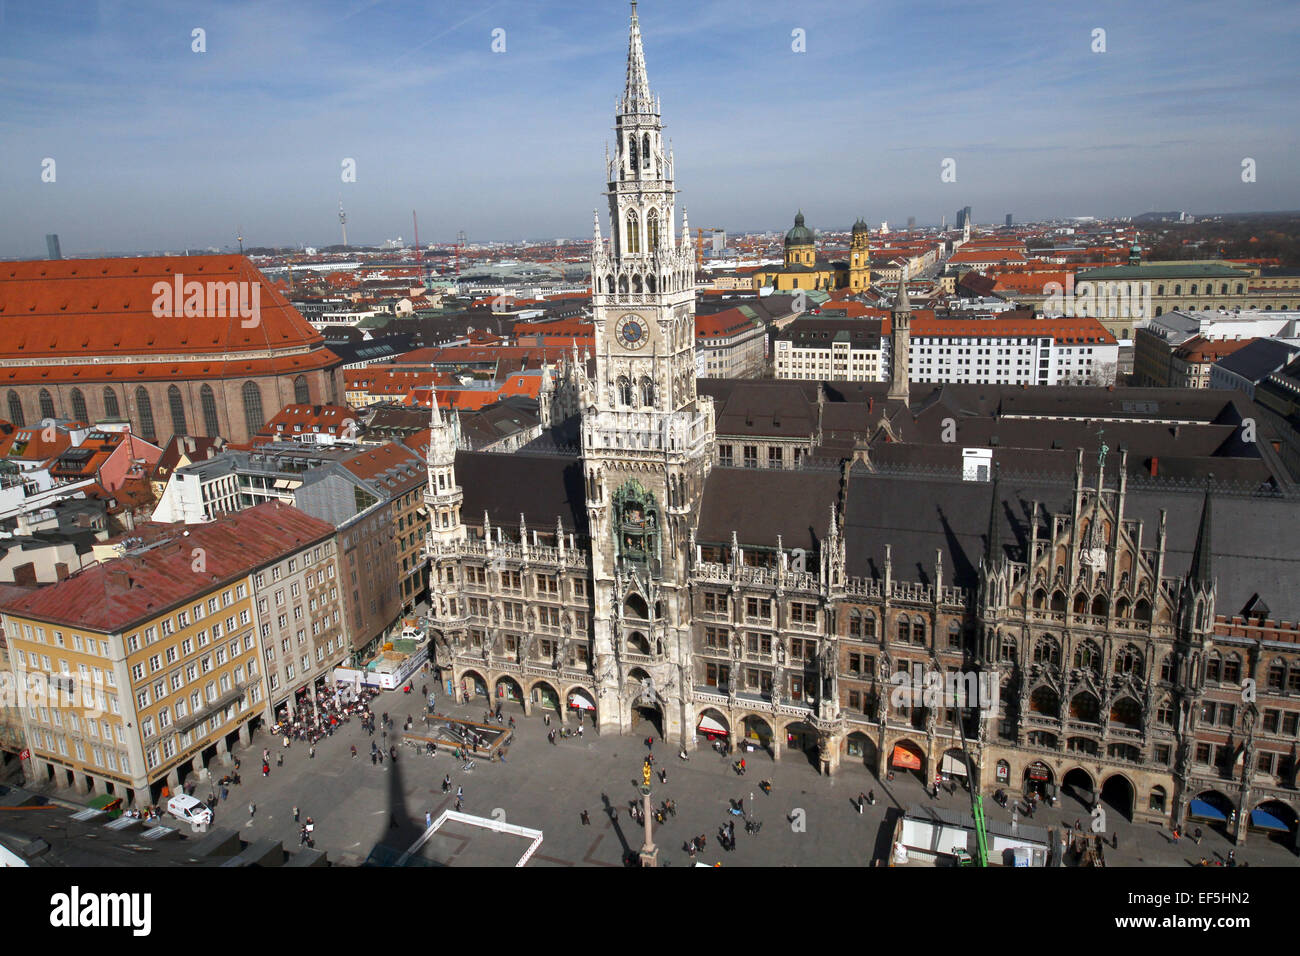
(358, 806)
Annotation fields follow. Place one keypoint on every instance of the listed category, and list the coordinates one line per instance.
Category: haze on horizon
(159, 147)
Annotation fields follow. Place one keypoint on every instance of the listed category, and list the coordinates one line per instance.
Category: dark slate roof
(773, 409)
(918, 515)
(821, 332)
(542, 487)
(1257, 359)
(759, 504)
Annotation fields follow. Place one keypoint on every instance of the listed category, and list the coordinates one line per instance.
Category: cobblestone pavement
(808, 820)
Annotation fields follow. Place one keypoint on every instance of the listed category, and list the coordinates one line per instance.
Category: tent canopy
(710, 726)
(1206, 811)
(902, 757)
(1263, 820)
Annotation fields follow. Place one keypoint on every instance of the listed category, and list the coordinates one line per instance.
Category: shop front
(1039, 779)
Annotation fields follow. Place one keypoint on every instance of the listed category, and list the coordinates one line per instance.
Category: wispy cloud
(161, 147)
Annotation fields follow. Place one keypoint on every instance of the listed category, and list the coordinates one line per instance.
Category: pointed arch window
(1047, 651)
(624, 391)
(652, 230)
(111, 408)
(301, 393)
(47, 404)
(79, 407)
(1086, 656)
(647, 392)
(177, 407)
(144, 412)
(645, 150)
(209, 403)
(16, 410)
(633, 233)
(253, 420)
(632, 151)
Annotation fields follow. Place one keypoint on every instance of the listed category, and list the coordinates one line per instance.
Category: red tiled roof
(127, 591)
(83, 307)
(722, 324)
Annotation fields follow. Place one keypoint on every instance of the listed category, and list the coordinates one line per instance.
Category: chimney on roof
(1155, 466)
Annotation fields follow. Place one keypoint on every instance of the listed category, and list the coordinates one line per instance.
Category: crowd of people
(314, 720)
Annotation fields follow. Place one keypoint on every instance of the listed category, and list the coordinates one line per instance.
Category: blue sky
(158, 147)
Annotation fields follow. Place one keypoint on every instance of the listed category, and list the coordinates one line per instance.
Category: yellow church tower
(860, 257)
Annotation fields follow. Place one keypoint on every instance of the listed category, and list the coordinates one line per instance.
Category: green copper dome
(800, 235)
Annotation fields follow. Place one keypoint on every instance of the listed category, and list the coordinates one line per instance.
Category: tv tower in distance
(343, 222)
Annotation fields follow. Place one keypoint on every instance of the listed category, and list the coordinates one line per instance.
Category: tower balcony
(686, 433)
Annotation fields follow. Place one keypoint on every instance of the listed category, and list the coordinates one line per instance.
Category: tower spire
(1202, 571)
(900, 335)
(995, 524)
(636, 96)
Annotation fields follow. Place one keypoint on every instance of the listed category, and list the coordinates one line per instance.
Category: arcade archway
(472, 684)
(712, 727)
(862, 748)
(1118, 793)
(507, 690)
(581, 703)
(1039, 778)
(1078, 784)
(545, 696)
(1277, 821)
(802, 736)
(758, 735)
(1214, 808)
(909, 757)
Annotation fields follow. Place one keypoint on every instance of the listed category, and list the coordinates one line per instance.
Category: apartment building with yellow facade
(140, 669)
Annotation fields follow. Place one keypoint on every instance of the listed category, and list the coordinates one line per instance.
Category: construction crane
(460, 245)
(973, 783)
(699, 243)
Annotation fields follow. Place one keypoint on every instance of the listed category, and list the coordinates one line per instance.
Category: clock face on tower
(632, 332)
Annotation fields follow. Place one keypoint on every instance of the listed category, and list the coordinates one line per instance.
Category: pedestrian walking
(252, 809)
(871, 797)
(1176, 833)
(428, 819)
(579, 726)
(586, 820)
(312, 752)
(862, 801)
(295, 814)
(1196, 835)
(225, 792)
(373, 757)
(279, 759)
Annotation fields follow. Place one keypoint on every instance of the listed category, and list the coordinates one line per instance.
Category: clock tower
(647, 437)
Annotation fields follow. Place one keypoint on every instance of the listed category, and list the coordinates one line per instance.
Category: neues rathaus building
(757, 561)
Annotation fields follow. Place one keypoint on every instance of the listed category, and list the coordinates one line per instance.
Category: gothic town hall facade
(649, 588)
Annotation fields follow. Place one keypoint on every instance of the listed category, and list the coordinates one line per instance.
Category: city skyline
(160, 147)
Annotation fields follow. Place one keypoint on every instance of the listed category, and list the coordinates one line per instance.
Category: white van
(189, 809)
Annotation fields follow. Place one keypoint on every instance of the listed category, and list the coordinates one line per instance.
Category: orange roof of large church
(84, 307)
